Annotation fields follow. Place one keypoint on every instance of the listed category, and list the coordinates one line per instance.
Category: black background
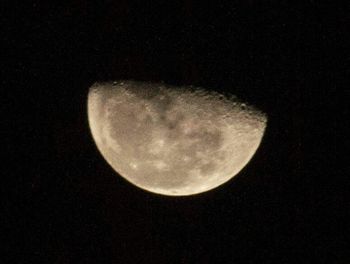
(67, 205)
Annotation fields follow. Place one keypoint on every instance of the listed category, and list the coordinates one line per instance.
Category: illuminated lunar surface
(172, 140)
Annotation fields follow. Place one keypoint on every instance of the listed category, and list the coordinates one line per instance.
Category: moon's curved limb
(172, 140)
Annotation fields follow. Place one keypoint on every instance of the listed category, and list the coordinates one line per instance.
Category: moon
(172, 140)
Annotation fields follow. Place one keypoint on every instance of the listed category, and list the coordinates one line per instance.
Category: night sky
(65, 204)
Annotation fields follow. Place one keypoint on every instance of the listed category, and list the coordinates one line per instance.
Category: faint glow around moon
(172, 140)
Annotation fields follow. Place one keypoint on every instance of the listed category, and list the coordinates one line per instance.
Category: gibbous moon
(172, 140)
